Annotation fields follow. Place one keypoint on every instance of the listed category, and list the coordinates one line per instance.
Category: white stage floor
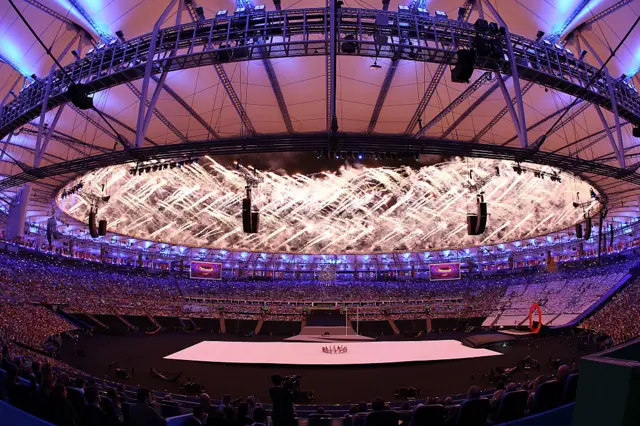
(358, 353)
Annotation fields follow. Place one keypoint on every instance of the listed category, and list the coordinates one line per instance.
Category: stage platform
(358, 353)
(328, 335)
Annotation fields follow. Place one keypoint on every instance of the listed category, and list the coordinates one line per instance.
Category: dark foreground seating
(428, 415)
(570, 389)
(317, 419)
(512, 406)
(473, 412)
(382, 418)
(547, 396)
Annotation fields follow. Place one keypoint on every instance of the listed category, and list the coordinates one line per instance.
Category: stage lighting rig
(154, 165)
(72, 190)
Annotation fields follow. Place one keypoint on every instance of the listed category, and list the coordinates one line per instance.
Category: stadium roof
(208, 111)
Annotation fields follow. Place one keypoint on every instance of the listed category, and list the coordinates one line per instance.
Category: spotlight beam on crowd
(353, 210)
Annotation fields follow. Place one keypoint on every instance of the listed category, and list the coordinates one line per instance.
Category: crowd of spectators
(26, 281)
(618, 319)
(30, 325)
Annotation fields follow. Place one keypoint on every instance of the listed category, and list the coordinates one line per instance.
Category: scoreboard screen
(444, 271)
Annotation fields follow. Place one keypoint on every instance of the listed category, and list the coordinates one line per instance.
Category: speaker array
(93, 231)
(477, 223)
(587, 229)
(100, 229)
(250, 220)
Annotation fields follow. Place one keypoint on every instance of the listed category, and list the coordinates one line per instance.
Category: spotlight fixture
(222, 13)
(583, 54)
(441, 15)
(120, 36)
(200, 13)
(539, 35)
(75, 53)
(375, 65)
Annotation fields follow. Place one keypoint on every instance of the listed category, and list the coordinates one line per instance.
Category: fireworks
(353, 210)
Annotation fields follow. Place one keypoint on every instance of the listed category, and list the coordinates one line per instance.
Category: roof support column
(619, 151)
(142, 115)
(522, 124)
(332, 119)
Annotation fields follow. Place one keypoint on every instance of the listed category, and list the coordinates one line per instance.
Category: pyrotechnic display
(355, 209)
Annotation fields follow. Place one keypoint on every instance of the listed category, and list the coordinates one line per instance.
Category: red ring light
(535, 307)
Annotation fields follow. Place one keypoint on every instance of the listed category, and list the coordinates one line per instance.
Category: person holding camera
(282, 413)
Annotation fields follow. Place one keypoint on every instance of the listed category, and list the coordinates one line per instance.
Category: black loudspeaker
(102, 227)
(472, 224)
(93, 231)
(349, 45)
(79, 97)
(587, 229)
(255, 222)
(246, 215)
(463, 70)
(482, 218)
(578, 231)
(636, 132)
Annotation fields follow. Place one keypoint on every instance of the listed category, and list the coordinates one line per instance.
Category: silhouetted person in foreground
(282, 413)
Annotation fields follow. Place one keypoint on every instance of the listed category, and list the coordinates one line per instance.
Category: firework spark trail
(353, 210)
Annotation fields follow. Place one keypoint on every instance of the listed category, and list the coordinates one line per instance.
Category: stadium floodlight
(403, 8)
(441, 15)
(423, 11)
(240, 10)
(259, 8)
(569, 52)
(222, 13)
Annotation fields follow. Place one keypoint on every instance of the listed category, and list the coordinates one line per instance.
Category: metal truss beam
(470, 90)
(598, 16)
(554, 37)
(384, 90)
(277, 91)
(437, 76)
(317, 141)
(65, 139)
(214, 40)
(126, 126)
(235, 100)
(164, 120)
(569, 119)
(520, 118)
(187, 107)
(471, 108)
(100, 127)
(495, 120)
(59, 17)
(87, 17)
(599, 132)
(542, 121)
(331, 63)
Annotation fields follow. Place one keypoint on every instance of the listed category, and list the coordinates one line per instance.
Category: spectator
(362, 407)
(282, 413)
(113, 407)
(198, 417)
(226, 400)
(378, 404)
(259, 417)
(142, 413)
(205, 403)
(563, 373)
(93, 414)
(59, 411)
(474, 392)
(242, 418)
